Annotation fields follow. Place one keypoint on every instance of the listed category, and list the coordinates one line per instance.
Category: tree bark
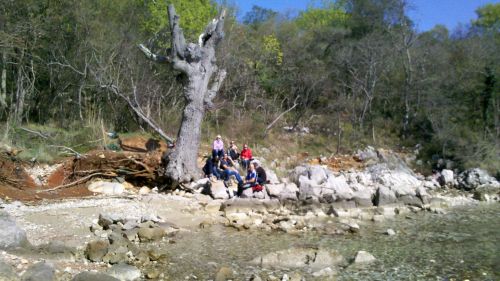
(198, 63)
(3, 88)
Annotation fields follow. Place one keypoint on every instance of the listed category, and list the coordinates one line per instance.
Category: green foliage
(318, 18)
(194, 16)
(488, 16)
(273, 49)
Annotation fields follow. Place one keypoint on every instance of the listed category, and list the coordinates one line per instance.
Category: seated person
(261, 173)
(228, 169)
(250, 179)
(246, 156)
(218, 147)
(210, 169)
(233, 151)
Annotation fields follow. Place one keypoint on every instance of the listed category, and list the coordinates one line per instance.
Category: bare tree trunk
(198, 63)
(3, 89)
(182, 163)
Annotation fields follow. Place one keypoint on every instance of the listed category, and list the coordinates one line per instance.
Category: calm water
(463, 244)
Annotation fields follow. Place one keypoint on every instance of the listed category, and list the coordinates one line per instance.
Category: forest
(331, 79)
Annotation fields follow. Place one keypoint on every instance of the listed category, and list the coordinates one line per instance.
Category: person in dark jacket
(233, 151)
(210, 169)
(261, 173)
(228, 169)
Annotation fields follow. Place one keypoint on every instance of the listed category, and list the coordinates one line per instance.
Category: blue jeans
(216, 172)
(227, 173)
(217, 153)
(245, 163)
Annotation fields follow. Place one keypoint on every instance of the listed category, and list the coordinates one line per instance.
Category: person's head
(245, 146)
(218, 137)
(232, 142)
(251, 167)
(225, 156)
(255, 164)
(215, 159)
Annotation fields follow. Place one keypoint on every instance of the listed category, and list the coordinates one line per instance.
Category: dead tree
(203, 80)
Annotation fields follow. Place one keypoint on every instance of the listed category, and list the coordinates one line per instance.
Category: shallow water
(462, 244)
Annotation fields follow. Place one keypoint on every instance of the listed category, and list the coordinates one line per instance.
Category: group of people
(223, 164)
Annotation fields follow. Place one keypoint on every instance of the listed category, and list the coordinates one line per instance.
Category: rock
(238, 205)
(144, 190)
(59, 249)
(400, 180)
(422, 194)
(93, 276)
(369, 153)
(218, 190)
(130, 224)
(390, 232)
(363, 198)
(109, 188)
(247, 193)
(96, 250)
(283, 191)
(308, 189)
(40, 271)
(384, 196)
(431, 184)
(118, 256)
(213, 207)
(411, 201)
(152, 273)
(299, 258)
(297, 277)
(340, 187)
(473, 178)
(255, 277)
(124, 272)
(203, 184)
(352, 226)
(156, 254)
(131, 234)
(7, 272)
(446, 178)
(106, 220)
(317, 174)
(297, 173)
(224, 273)
(325, 272)
(363, 257)
(274, 190)
(150, 234)
(151, 218)
(260, 194)
(11, 236)
(272, 178)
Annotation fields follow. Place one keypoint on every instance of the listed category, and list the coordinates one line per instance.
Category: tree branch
(281, 115)
(221, 75)
(152, 56)
(139, 112)
(178, 40)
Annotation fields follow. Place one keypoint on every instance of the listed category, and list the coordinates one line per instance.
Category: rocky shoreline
(116, 238)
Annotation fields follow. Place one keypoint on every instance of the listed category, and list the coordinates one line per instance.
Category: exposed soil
(69, 177)
(340, 163)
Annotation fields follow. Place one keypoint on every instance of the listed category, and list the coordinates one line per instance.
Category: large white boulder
(340, 188)
(109, 188)
(446, 178)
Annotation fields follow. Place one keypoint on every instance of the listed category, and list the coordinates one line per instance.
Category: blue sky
(425, 13)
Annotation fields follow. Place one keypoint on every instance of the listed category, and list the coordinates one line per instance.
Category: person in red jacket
(246, 156)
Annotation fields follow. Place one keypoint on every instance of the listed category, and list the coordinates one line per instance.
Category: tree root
(79, 181)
